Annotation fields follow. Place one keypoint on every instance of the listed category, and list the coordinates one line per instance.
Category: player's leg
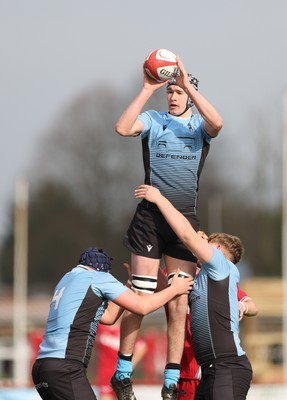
(175, 329)
(144, 281)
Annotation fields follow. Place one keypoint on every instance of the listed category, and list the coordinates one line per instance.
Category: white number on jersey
(57, 297)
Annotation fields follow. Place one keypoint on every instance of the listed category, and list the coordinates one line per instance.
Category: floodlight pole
(21, 353)
(284, 232)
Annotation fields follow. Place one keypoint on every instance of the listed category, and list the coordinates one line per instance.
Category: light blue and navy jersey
(79, 302)
(214, 310)
(174, 152)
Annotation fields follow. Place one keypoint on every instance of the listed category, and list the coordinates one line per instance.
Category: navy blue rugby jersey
(214, 310)
(79, 301)
(174, 152)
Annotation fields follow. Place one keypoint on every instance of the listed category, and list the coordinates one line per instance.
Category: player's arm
(112, 313)
(146, 304)
(249, 308)
(181, 226)
(213, 121)
(246, 304)
(128, 123)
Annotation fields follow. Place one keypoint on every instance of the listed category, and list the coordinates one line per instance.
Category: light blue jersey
(79, 302)
(214, 310)
(174, 152)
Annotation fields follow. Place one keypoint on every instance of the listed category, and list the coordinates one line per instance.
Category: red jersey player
(107, 346)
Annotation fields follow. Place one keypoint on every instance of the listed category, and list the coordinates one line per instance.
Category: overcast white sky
(52, 51)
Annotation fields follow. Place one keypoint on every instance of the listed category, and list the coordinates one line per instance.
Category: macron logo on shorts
(149, 247)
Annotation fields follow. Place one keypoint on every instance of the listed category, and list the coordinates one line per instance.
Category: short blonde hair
(232, 243)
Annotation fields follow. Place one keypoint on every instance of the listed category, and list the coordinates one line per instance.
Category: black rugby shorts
(225, 380)
(59, 379)
(149, 235)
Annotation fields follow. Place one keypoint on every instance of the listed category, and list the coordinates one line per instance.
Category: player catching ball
(175, 145)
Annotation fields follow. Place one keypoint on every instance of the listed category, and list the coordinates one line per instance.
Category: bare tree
(83, 153)
(85, 174)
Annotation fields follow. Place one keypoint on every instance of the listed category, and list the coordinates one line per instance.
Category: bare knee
(178, 308)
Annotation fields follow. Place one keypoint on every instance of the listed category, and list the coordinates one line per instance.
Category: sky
(53, 51)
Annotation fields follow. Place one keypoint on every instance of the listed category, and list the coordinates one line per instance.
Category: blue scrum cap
(96, 258)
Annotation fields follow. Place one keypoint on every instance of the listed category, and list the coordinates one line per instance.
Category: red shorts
(187, 388)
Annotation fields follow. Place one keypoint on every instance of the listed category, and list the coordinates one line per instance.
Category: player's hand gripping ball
(161, 65)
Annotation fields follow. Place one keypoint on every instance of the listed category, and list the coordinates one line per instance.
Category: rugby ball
(161, 65)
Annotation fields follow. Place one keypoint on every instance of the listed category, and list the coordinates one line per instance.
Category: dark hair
(232, 243)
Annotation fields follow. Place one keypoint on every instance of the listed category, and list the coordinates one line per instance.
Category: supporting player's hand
(129, 271)
(182, 285)
(242, 309)
(147, 192)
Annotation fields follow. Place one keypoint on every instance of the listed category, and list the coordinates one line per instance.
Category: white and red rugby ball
(161, 65)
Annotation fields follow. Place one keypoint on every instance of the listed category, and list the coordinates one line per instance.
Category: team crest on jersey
(183, 144)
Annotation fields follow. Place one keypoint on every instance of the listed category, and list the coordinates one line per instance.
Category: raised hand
(147, 192)
(183, 285)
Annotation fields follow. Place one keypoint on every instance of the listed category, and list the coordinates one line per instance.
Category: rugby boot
(123, 389)
(169, 393)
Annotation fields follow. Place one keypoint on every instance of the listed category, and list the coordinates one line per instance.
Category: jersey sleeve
(145, 118)
(218, 267)
(108, 286)
(152, 121)
(197, 123)
(241, 295)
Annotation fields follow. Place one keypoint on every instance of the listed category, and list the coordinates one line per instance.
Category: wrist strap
(245, 307)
